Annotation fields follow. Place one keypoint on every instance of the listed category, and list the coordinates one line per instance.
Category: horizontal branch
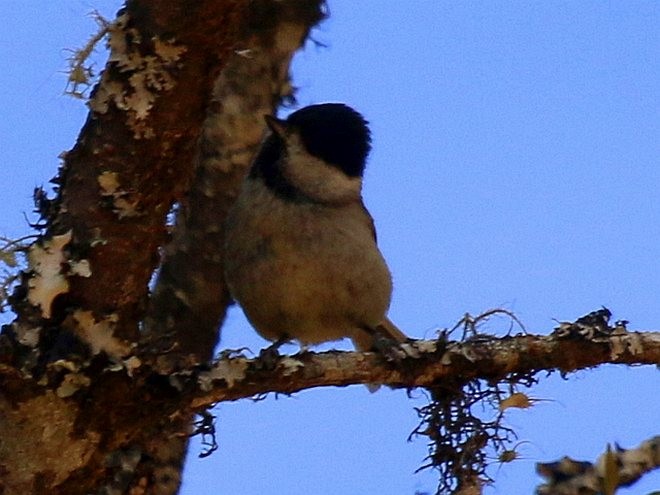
(422, 363)
(613, 469)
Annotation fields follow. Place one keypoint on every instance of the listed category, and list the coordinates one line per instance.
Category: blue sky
(515, 164)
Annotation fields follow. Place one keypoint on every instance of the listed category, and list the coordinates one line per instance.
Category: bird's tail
(391, 331)
(365, 339)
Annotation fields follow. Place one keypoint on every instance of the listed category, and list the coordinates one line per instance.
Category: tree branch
(190, 298)
(422, 364)
(613, 469)
(134, 157)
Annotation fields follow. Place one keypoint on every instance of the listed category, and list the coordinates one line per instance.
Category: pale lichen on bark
(149, 75)
(45, 261)
(426, 363)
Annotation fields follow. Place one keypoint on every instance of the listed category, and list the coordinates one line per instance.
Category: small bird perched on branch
(301, 253)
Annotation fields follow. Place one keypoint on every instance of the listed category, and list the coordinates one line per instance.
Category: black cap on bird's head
(332, 132)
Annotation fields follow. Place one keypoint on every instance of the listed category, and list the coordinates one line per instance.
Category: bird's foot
(390, 349)
(269, 356)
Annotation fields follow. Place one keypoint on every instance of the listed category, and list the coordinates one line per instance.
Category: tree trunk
(86, 406)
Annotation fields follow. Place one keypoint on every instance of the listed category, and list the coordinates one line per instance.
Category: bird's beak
(278, 126)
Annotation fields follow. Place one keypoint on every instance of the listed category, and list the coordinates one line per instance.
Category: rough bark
(616, 468)
(190, 297)
(135, 154)
(74, 377)
(423, 363)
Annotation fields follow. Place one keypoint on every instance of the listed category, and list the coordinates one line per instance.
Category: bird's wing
(369, 220)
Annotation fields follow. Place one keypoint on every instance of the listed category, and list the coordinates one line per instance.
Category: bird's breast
(295, 268)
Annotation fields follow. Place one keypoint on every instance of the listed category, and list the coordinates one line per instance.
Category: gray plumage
(301, 253)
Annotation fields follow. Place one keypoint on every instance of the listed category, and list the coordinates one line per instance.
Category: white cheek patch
(317, 179)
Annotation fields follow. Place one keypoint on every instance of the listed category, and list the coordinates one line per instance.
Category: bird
(301, 256)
